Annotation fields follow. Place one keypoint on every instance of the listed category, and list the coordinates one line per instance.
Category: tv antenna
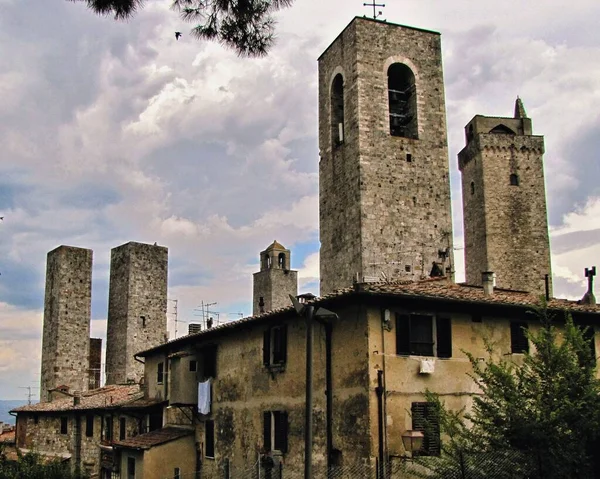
(29, 393)
(376, 14)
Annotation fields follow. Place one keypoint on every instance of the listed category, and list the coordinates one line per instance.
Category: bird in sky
(177, 35)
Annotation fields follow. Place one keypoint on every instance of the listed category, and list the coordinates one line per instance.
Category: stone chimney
(588, 297)
(487, 280)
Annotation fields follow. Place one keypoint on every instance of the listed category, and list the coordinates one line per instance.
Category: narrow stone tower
(275, 281)
(137, 308)
(384, 187)
(504, 201)
(66, 330)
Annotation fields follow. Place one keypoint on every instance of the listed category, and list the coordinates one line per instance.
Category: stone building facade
(384, 181)
(66, 329)
(137, 308)
(504, 201)
(275, 281)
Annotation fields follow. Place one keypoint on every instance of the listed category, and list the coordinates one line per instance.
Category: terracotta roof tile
(154, 438)
(106, 397)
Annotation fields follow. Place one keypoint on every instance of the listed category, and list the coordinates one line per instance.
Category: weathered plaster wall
(66, 330)
(380, 212)
(160, 461)
(137, 308)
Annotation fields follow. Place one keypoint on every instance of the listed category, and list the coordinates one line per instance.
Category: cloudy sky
(114, 132)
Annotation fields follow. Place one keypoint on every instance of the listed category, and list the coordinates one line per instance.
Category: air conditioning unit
(427, 366)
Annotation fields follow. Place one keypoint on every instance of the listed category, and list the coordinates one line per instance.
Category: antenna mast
(376, 14)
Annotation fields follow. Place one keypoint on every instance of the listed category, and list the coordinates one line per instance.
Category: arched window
(472, 187)
(268, 262)
(402, 101)
(501, 130)
(337, 110)
(514, 180)
(281, 260)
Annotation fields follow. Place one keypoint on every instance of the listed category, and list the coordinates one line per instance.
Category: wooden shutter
(209, 438)
(402, 334)
(425, 419)
(281, 431)
(267, 347)
(518, 337)
(267, 430)
(444, 337)
(283, 343)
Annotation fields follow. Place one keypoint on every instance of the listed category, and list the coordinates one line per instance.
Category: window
(143, 321)
(402, 101)
(108, 428)
(472, 187)
(160, 373)
(281, 260)
(275, 346)
(518, 337)
(64, 425)
(425, 419)
(193, 365)
(415, 335)
(408, 158)
(209, 362)
(89, 425)
(337, 111)
(275, 431)
(176, 473)
(209, 439)
(36, 419)
(131, 468)
(122, 428)
(514, 180)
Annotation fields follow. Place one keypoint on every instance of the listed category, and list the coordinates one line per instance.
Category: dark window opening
(209, 439)
(275, 346)
(518, 338)
(176, 473)
(108, 428)
(89, 425)
(143, 321)
(209, 362)
(514, 180)
(402, 101)
(36, 419)
(160, 373)
(415, 336)
(407, 268)
(425, 418)
(193, 365)
(64, 425)
(472, 187)
(409, 158)
(281, 260)
(275, 431)
(337, 110)
(122, 429)
(502, 130)
(268, 262)
(131, 468)
(261, 305)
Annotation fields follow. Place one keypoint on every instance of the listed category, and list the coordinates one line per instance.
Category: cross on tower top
(374, 5)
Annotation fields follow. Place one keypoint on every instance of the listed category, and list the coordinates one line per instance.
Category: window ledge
(275, 368)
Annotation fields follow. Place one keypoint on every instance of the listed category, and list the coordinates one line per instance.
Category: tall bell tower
(384, 186)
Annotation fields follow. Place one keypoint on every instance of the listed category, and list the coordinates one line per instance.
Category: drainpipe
(329, 394)
(380, 390)
(308, 417)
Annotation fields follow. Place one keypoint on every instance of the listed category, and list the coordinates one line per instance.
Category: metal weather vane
(376, 13)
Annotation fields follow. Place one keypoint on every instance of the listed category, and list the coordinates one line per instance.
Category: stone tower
(275, 281)
(137, 308)
(66, 330)
(504, 201)
(384, 187)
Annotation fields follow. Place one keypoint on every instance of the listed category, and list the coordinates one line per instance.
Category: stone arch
(501, 129)
(337, 110)
(402, 101)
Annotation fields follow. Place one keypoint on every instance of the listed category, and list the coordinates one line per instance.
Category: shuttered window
(414, 335)
(425, 418)
(275, 431)
(518, 337)
(275, 346)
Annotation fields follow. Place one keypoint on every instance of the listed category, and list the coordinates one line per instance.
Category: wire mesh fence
(500, 464)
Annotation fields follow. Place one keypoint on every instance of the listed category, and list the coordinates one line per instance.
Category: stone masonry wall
(137, 308)
(274, 283)
(66, 329)
(506, 228)
(382, 211)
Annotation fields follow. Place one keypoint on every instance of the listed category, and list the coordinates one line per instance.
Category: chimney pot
(487, 280)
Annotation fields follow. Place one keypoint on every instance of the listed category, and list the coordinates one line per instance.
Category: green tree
(247, 26)
(33, 466)
(539, 419)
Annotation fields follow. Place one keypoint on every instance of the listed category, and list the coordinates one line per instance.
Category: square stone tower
(67, 310)
(137, 308)
(275, 281)
(504, 201)
(384, 186)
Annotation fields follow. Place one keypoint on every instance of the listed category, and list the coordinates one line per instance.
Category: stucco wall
(161, 461)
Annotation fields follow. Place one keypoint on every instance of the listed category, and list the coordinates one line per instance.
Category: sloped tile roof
(275, 246)
(154, 438)
(435, 289)
(106, 397)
